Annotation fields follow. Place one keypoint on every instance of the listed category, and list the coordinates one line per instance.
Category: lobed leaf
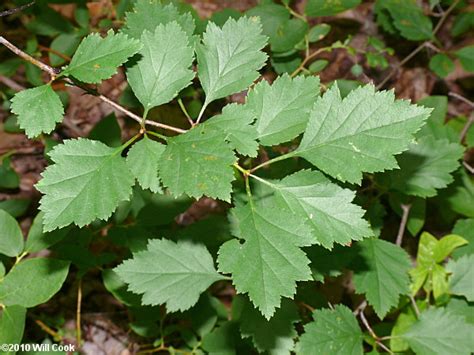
(198, 163)
(171, 273)
(382, 274)
(143, 159)
(282, 109)
(270, 261)
(229, 57)
(87, 181)
(332, 332)
(148, 14)
(439, 332)
(97, 58)
(360, 133)
(164, 68)
(38, 110)
(235, 124)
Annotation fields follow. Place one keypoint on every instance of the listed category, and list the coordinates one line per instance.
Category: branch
(403, 223)
(16, 9)
(44, 67)
(461, 98)
(54, 72)
(371, 331)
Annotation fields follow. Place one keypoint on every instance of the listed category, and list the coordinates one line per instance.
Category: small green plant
(305, 172)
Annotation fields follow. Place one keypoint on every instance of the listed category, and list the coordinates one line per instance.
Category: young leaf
(164, 68)
(38, 110)
(282, 109)
(97, 58)
(11, 238)
(341, 134)
(274, 336)
(198, 163)
(425, 167)
(325, 206)
(235, 124)
(148, 14)
(382, 274)
(12, 325)
(270, 261)
(33, 282)
(438, 332)
(171, 273)
(87, 181)
(465, 56)
(229, 57)
(143, 159)
(462, 278)
(332, 332)
(38, 240)
(225, 340)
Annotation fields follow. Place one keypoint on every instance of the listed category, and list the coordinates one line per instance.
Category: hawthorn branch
(55, 72)
(16, 9)
(403, 223)
(377, 339)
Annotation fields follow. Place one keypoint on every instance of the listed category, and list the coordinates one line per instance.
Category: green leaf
(171, 273)
(235, 123)
(282, 109)
(12, 325)
(274, 336)
(464, 228)
(198, 163)
(439, 332)
(33, 282)
(289, 35)
(11, 238)
(224, 340)
(334, 332)
(462, 23)
(148, 14)
(461, 281)
(318, 65)
(38, 110)
(65, 44)
(326, 207)
(118, 288)
(270, 261)
(108, 131)
(97, 58)
(38, 240)
(87, 181)
(435, 126)
(425, 167)
(441, 64)
(319, 8)
(9, 179)
(143, 159)
(465, 56)
(341, 134)
(318, 32)
(164, 68)
(229, 58)
(382, 274)
(273, 17)
(409, 19)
